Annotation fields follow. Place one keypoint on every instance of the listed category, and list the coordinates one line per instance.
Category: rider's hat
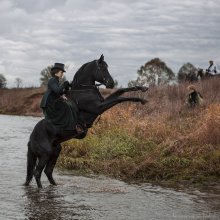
(59, 66)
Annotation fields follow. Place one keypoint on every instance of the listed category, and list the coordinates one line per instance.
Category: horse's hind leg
(31, 162)
(51, 163)
(39, 168)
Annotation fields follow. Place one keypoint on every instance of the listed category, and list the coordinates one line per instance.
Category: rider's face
(59, 74)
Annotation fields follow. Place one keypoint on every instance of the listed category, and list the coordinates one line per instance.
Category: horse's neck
(82, 81)
(85, 75)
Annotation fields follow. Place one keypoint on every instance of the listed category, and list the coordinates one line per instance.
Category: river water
(79, 197)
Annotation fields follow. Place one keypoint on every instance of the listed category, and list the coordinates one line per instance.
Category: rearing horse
(44, 145)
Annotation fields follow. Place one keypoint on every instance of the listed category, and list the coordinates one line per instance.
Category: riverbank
(22, 101)
(183, 150)
(163, 141)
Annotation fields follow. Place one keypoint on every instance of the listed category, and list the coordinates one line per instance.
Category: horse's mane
(81, 68)
(79, 71)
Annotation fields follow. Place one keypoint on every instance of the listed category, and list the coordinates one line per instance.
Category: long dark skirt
(62, 113)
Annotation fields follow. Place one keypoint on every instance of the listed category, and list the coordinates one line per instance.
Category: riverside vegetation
(163, 141)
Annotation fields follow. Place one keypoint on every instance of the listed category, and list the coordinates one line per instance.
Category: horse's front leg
(107, 104)
(123, 90)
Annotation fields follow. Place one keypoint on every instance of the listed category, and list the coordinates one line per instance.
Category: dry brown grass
(24, 101)
(162, 140)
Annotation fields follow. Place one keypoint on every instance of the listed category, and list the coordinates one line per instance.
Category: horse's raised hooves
(144, 89)
(144, 101)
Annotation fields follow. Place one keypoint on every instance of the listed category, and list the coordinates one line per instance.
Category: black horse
(204, 74)
(44, 145)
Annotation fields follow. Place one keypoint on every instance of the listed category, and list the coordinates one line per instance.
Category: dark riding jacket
(194, 98)
(54, 91)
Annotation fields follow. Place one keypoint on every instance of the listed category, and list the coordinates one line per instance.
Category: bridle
(84, 86)
(101, 73)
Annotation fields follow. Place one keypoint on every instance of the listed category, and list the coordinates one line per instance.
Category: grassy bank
(163, 141)
(22, 101)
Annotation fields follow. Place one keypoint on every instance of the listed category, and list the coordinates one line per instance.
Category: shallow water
(79, 197)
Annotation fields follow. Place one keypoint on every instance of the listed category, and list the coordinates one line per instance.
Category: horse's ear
(101, 59)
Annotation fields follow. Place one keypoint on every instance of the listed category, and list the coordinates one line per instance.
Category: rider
(56, 107)
(211, 69)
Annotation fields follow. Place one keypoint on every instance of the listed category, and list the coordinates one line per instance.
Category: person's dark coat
(194, 98)
(54, 91)
(60, 112)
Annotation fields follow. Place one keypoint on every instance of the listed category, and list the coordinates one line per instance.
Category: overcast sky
(37, 33)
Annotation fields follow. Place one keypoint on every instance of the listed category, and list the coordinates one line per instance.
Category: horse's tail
(31, 163)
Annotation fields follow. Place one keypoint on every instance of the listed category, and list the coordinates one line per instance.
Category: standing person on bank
(194, 98)
(56, 107)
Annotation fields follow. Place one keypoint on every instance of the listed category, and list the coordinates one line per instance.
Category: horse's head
(95, 71)
(201, 73)
(102, 74)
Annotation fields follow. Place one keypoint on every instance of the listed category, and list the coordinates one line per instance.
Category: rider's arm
(55, 87)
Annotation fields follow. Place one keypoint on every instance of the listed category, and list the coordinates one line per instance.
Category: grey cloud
(38, 6)
(35, 34)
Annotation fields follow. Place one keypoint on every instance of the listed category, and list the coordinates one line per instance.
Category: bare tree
(46, 75)
(18, 82)
(3, 81)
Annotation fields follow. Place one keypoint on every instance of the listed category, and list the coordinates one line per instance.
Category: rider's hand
(64, 97)
(66, 85)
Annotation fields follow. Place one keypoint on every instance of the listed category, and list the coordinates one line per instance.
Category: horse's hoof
(53, 183)
(144, 89)
(26, 184)
(40, 187)
(144, 101)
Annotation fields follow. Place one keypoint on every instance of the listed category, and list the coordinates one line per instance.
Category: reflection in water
(42, 204)
(55, 202)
